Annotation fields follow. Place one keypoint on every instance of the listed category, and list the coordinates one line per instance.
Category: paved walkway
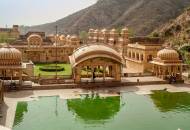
(124, 79)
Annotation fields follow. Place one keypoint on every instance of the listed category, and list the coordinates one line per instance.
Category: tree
(83, 36)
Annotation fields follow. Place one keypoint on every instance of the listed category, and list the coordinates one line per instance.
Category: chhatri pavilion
(167, 64)
(12, 69)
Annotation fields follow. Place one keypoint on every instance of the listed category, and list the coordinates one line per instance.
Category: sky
(34, 12)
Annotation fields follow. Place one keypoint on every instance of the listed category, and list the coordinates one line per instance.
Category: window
(142, 57)
(137, 55)
(133, 55)
(129, 54)
(149, 58)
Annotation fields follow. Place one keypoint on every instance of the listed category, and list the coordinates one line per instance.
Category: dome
(68, 37)
(113, 31)
(168, 54)
(10, 56)
(91, 30)
(74, 38)
(96, 31)
(125, 30)
(104, 31)
(62, 37)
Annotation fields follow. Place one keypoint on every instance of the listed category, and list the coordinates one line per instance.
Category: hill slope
(176, 32)
(141, 16)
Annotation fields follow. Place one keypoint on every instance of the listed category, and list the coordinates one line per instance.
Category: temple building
(139, 52)
(12, 69)
(167, 64)
(110, 37)
(10, 33)
(38, 48)
(96, 61)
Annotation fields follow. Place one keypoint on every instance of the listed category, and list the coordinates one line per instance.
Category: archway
(96, 63)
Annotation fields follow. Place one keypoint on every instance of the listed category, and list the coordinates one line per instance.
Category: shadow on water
(166, 101)
(92, 108)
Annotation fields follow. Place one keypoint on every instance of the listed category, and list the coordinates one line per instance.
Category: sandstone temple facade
(113, 53)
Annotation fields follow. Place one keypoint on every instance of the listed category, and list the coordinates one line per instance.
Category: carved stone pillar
(104, 73)
(20, 77)
(77, 75)
(117, 72)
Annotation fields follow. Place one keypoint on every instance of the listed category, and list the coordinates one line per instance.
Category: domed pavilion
(96, 61)
(10, 64)
(167, 64)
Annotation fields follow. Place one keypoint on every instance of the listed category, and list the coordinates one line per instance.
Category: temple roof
(168, 54)
(92, 51)
(167, 57)
(10, 56)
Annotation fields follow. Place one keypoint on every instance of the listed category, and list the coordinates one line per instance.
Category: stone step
(27, 88)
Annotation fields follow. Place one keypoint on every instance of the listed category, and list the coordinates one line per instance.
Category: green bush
(51, 68)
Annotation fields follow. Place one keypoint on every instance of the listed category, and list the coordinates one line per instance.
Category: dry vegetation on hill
(141, 16)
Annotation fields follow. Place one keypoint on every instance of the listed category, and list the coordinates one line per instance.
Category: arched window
(149, 58)
(142, 57)
(137, 55)
(133, 55)
(129, 54)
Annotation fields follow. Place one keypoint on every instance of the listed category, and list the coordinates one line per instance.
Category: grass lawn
(66, 72)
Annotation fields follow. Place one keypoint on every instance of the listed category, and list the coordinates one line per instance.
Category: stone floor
(124, 79)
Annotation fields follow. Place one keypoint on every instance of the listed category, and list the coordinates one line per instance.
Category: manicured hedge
(51, 68)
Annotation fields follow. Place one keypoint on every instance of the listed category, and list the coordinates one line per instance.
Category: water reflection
(92, 108)
(23, 108)
(166, 101)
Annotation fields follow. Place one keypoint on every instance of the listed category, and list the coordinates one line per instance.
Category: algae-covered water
(159, 111)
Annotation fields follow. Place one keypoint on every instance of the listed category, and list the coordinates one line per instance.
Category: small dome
(114, 31)
(62, 37)
(91, 30)
(104, 30)
(10, 56)
(125, 30)
(96, 31)
(68, 37)
(168, 54)
(74, 38)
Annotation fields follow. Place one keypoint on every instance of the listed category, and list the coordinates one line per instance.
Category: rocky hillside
(176, 32)
(141, 16)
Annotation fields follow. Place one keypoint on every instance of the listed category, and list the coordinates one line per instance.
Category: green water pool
(159, 111)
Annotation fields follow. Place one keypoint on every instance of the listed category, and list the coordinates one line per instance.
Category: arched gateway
(96, 61)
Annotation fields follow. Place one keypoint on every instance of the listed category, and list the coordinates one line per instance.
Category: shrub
(51, 68)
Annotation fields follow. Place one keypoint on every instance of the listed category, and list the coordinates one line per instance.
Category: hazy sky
(33, 12)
